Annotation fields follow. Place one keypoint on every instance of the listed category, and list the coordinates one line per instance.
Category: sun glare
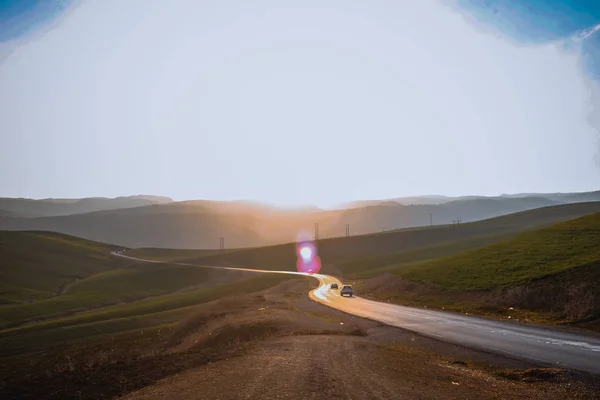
(306, 250)
(306, 253)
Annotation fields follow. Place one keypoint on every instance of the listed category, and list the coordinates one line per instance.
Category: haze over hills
(53, 207)
(149, 221)
(578, 197)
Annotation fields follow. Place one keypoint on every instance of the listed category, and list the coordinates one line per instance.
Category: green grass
(168, 254)
(10, 294)
(47, 338)
(157, 304)
(115, 286)
(546, 275)
(99, 294)
(34, 265)
(393, 262)
(141, 281)
(521, 259)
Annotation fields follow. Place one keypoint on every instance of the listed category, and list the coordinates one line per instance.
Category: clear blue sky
(300, 101)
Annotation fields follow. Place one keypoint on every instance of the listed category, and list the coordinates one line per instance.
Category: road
(559, 349)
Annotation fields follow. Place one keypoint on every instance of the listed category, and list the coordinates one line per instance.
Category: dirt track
(341, 367)
(359, 360)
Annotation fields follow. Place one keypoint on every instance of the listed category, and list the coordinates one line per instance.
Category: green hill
(527, 257)
(550, 274)
(159, 254)
(35, 265)
(123, 285)
(46, 277)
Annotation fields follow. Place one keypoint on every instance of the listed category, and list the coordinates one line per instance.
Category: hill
(200, 224)
(120, 329)
(392, 215)
(548, 274)
(160, 254)
(10, 214)
(522, 259)
(35, 265)
(149, 227)
(376, 250)
(48, 275)
(54, 207)
(579, 197)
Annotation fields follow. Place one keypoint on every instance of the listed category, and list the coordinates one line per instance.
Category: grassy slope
(141, 314)
(547, 275)
(115, 286)
(96, 280)
(155, 253)
(100, 295)
(35, 265)
(392, 262)
(446, 239)
(529, 256)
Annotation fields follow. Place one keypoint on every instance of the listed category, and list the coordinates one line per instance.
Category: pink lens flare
(311, 267)
(306, 251)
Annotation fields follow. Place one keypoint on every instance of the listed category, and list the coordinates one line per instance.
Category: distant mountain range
(54, 207)
(579, 197)
(152, 221)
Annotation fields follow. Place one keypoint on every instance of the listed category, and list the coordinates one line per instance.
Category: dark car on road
(346, 289)
(334, 286)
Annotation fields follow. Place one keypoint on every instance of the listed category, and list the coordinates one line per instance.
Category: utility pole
(383, 229)
(221, 244)
(347, 230)
(316, 231)
(430, 219)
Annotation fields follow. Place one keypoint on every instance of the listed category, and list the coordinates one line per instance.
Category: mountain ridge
(201, 223)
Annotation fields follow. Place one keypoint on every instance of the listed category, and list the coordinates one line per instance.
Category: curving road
(560, 349)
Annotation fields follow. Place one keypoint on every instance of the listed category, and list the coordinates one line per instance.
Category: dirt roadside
(314, 352)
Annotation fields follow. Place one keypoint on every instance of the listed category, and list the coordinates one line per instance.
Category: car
(334, 286)
(346, 289)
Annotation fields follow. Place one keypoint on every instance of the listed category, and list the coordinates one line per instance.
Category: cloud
(586, 33)
(584, 44)
(541, 25)
(291, 103)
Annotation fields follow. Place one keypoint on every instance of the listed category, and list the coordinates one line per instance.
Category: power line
(456, 222)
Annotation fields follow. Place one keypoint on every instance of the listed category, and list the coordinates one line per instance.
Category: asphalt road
(543, 345)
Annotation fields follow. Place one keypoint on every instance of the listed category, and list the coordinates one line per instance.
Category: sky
(298, 102)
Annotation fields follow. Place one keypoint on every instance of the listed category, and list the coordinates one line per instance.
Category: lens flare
(306, 251)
